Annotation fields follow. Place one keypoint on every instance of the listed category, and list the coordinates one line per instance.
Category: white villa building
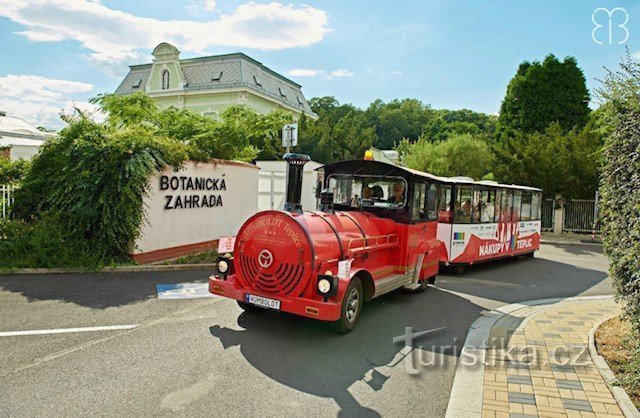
(209, 85)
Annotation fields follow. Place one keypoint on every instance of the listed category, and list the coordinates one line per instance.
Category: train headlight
(327, 285)
(223, 266)
(324, 286)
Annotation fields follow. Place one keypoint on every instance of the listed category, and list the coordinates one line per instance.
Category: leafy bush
(620, 188)
(12, 171)
(460, 155)
(44, 243)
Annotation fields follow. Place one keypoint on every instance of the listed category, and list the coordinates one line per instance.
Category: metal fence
(580, 215)
(6, 199)
(548, 214)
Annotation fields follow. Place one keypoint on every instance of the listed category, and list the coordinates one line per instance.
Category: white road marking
(66, 330)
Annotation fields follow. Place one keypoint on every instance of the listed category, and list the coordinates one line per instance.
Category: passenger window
(487, 205)
(517, 202)
(464, 208)
(525, 212)
(506, 205)
(497, 206)
(444, 205)
(417, 207)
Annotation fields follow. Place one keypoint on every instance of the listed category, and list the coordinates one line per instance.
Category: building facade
(209, 85)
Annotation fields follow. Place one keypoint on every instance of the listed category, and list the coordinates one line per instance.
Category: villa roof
(223, 72)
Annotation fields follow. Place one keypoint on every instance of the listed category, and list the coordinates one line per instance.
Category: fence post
(558, 216)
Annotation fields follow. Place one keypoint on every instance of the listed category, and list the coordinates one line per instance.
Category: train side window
(525, 212)
(487, 205)
(444, 204)
(464, 208)
(417, 205)
(506, 205)
(517, 201)
(536, 200)
(496, 205)
(431, 203)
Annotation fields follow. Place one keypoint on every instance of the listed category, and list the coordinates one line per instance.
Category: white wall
(18, 152)
(172, 226)
(277, 170)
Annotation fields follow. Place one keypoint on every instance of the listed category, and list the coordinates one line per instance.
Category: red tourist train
(380, 227)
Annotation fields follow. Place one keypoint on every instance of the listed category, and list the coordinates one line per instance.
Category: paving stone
(517, 365)
(551, 335)
(577, 405)
(536, 342)
(564, 368)
(576, 323)
(564, 329)
(521, 416)
(569, 384)
(520, 380)
(523, 398)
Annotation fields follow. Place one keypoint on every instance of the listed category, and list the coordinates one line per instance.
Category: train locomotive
(375, 232)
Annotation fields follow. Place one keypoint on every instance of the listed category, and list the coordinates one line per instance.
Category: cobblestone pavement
(538, 363)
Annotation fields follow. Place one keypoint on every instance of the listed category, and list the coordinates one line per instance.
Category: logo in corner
(265, 258)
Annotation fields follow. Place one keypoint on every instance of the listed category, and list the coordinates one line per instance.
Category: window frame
(352, 176)
(165, 83)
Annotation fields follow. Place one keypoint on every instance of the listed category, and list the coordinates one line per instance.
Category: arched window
(165, 80)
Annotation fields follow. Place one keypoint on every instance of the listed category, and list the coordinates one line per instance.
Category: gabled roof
(222, 72)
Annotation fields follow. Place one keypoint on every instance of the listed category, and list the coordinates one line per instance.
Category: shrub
(12, 171)
(620, 188)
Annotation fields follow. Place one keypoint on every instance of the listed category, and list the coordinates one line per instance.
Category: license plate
(264, 302)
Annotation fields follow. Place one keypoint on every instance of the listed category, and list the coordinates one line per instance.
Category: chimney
(295, 163)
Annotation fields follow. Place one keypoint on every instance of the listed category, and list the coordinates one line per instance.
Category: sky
(453, 54)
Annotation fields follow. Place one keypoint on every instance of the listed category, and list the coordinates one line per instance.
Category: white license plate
(264, 302)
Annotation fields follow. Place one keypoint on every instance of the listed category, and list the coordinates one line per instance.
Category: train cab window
(487, 205)
(431, 208)
(464, 205)
(517, 202)
(362, 191)
(418, 205)
(444, 204)
(525, 212)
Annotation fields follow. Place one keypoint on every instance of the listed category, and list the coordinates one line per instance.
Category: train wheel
(247, 307)
(350, 308)
(459, 269)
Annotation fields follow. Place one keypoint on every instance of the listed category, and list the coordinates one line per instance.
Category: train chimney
(295, 163)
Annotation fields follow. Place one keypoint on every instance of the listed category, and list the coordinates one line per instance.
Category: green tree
(459, 155)
(12, 171)
(559, 162)
(620, 190)
(444, 123)
(397, 120)
(340, 133)
(545, 92)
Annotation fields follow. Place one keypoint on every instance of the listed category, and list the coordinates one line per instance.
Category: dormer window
(165, 80)
(300, 102)
(137, 84)
(217, 76)
(282, 93)
(257, 80)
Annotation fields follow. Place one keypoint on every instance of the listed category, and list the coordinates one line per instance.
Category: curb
(118, 269)
(626, 404)
(468, 384)
(553, 242)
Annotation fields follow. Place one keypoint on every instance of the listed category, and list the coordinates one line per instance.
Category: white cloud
(303, 72)
(40, 100)
(210, 5)
(114, 36)
(397, 72)
(340, 73)
(636, 55)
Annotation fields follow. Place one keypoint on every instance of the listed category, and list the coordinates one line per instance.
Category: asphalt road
(206, 356)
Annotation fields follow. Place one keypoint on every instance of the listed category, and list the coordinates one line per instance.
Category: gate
(548, 214)
(580, 215)
(6, 200)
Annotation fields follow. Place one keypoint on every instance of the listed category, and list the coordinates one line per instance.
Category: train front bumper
(323, 311)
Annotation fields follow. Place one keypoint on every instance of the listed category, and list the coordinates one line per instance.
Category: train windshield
(367, 191)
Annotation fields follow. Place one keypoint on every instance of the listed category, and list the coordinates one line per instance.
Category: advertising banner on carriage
(477, 242)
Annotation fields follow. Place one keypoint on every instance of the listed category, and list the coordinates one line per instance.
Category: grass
(206, 257)
(621, 350)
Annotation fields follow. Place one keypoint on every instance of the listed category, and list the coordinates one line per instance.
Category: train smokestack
(295, 164)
